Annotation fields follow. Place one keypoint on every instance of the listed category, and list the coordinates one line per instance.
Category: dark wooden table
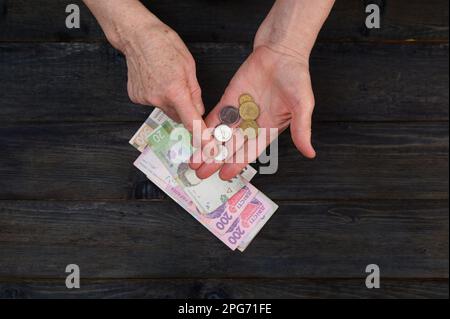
(377, 193)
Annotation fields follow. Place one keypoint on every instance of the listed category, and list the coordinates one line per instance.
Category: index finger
(191, 118)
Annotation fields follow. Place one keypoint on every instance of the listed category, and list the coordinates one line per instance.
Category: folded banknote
(238, 217)
(171, 143)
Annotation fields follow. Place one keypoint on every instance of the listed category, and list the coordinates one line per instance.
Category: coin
(249, 111)
(229, 115)
(245, 98)
(250, 129)
(222, 153)
(223, 133)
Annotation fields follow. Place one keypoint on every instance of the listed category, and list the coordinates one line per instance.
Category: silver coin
(223, 133)
(229, 115)
(222, 153)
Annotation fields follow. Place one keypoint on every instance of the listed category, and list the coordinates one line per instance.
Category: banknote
(248, 220)
(175, 192)
(150, 165)
(218, 220)
(239, 234)
(270, 208)
(234, 233)
(225, 215)
(236, 222)
(139, 141)
(172, 145)
(158, 117)
(208, 194)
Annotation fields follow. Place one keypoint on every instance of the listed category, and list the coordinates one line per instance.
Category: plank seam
(320, 41)
(281, 201)
(38, 122)
(139, 279)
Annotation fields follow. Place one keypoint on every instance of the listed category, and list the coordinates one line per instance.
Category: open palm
(280, 84)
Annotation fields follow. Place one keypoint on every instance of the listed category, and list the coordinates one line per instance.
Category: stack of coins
(228, 116)
(249, 112)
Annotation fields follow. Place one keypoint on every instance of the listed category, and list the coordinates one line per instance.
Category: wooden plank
(352, 82)
(360, 161)
(231, 21)
(85, 161)
(355, 161)
(225, 288)
(141, 239)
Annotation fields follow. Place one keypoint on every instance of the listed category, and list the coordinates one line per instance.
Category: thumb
(301, 132)
(196, 94)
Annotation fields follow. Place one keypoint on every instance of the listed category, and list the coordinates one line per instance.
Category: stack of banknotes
(234, 211)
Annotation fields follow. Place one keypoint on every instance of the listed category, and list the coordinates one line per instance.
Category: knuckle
(191, 63)
(170, 33)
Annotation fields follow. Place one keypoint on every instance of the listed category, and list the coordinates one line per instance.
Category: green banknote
(171, 143)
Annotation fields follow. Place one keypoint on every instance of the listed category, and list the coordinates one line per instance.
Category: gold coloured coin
(249, 111)
(250, 129)
(245, 98)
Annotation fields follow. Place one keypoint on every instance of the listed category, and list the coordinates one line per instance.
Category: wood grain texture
(225, 288)
(377, 193)
(142, 239)
(228, 21)
(355, 161)
(352, 82)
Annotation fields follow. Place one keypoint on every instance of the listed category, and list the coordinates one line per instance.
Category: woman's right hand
(162, 73)
(161, 70)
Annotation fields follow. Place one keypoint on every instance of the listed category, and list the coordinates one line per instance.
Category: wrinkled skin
(162, 73)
